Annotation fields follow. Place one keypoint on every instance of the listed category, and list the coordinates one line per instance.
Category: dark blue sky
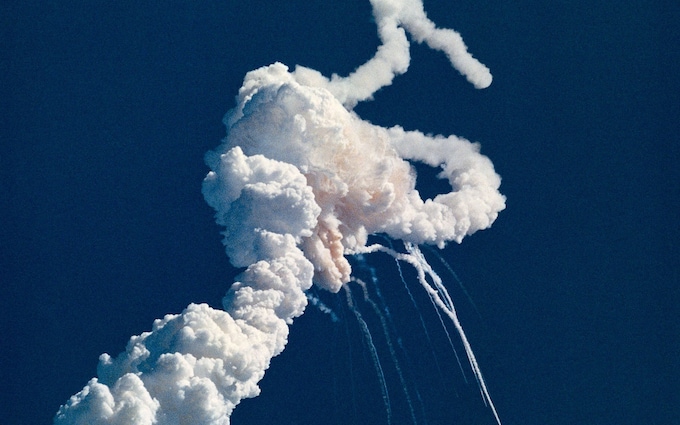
(108, 108)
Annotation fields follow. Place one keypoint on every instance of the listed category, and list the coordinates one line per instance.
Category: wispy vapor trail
(299, 182)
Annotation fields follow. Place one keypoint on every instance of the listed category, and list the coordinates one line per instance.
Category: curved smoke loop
(299, 182)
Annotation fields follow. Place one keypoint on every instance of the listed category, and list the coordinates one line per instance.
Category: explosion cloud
(299, 182)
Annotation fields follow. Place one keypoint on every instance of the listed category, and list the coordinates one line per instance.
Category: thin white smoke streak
(388, 316)
(439, 296)
(298, 183)
(422, 277)
(423, 272)
(374, 352)
(417, 260)
(322, 307)
(422, 320)
(427, 268)
(390, 346)
(455, 277)
(351, 369)
(446, 331)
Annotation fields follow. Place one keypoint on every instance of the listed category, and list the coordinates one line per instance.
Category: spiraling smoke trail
(299, 182)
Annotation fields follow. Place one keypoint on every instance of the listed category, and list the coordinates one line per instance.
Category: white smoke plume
(299, 182)
(392, 17)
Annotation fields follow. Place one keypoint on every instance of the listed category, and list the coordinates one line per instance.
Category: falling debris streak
(374, 353)
(440, 296)
(388, 339)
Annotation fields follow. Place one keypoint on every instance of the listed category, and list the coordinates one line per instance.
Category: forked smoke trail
(299, 182)
(393, 18)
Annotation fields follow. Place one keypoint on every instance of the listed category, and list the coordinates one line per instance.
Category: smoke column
(299, 182)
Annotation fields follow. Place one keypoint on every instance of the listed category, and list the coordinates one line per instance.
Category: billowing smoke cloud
(299, 182)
